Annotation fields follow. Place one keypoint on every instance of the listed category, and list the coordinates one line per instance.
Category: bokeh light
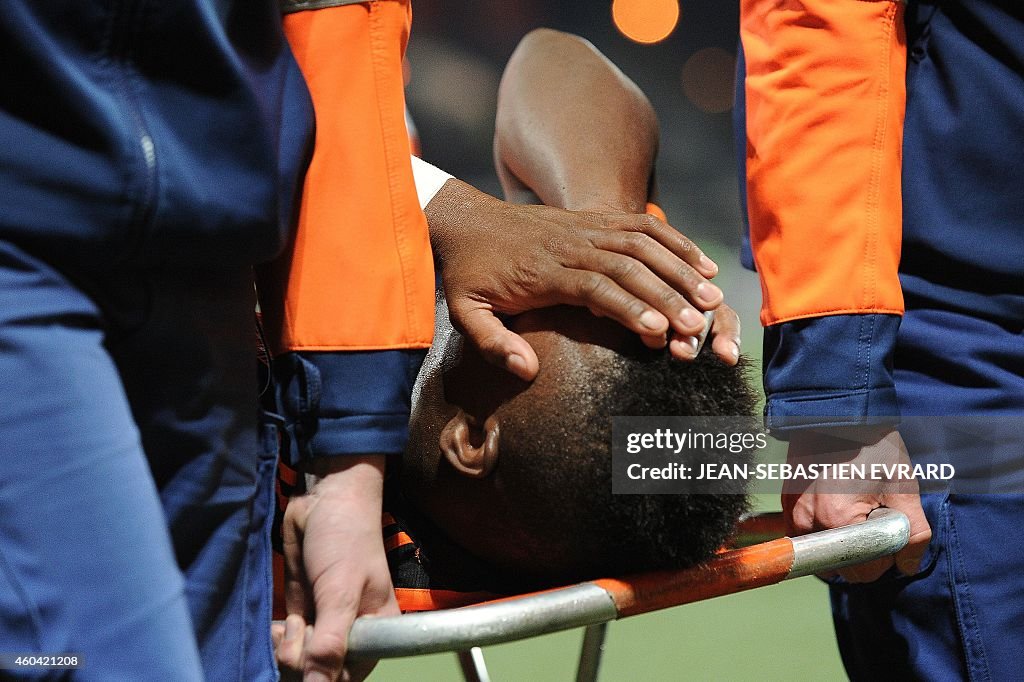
(709, 76)
(645, 21)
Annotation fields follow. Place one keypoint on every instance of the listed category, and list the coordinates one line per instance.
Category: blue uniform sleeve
(345, 403)
(830, 371)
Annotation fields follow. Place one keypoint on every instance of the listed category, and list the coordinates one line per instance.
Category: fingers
(276, 634)
(289, 643)
(653, 273)
(496, 343)
(669, 237)
(821, 505)
(868, 571)
(809, 512)
(298, 599)
(634, 269)
(360, 669)
(798, 513)
(814, 512)
(725, 335)
(908, 559)
(326, 649)
(654, 341)
(604, 296)
(652, 292)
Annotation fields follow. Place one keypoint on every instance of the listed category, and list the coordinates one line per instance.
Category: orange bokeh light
(645, 21)
(709, 78)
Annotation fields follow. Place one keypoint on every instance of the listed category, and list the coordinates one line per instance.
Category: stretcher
(759, 557)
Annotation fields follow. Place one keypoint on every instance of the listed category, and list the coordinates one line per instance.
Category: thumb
(498, 345)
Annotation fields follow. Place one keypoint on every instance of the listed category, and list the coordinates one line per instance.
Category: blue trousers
(960, 352)
(135, 490)
(962, 616)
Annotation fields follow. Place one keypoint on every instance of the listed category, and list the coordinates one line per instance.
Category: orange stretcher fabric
(729, 572)
(825, 96)
(360, 276)
(412, 599)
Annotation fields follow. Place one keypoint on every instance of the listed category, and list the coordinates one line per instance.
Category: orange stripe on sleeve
(360, 276)
(825, 97)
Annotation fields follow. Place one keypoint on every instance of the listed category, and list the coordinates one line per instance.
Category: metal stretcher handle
(885, 532)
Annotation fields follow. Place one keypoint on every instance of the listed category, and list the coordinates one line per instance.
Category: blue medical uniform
(958, 353)
(150, 154)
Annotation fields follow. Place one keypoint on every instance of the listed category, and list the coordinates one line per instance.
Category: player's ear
(470, 447)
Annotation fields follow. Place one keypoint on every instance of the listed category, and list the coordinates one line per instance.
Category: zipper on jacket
(126, 24)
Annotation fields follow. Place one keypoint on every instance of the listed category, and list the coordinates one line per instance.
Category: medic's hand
(822, 504)
(335, 568)
(498, 257)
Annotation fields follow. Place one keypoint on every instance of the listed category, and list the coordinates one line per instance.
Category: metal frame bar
(590, 652)
(885, 532)
(474, 668)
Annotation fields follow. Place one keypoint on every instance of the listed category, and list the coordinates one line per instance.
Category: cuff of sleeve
(429, 180)
(830, 371)
(364, 434)
(345, 403)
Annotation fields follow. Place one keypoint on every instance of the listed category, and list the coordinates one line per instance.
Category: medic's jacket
(141, 132)
(349, 310)
(875, 180)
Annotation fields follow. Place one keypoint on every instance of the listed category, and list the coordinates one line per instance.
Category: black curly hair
(560, 469)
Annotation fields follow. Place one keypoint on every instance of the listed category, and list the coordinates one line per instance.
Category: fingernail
(735, 351)
(655, 342)
(708, 264)
(291, 628)
(651, 320)
(690, 342)
(691, 318)
(708, 293)
(909, 567)
(315, 676)
(516, 364)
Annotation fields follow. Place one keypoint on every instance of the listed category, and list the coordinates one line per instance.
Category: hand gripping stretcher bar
(593, 604)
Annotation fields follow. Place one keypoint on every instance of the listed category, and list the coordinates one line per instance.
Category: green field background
(780, 632)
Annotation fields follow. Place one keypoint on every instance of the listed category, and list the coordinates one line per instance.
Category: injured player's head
(516, 477)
